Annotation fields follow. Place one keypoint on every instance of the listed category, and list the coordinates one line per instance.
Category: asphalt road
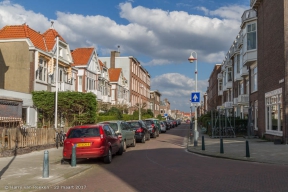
(163, 164)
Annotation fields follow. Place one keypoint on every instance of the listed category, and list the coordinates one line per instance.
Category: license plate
(83, 144)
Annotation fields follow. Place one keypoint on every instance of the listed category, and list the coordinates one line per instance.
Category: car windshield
(148, 122)
(114, 126)
(134, 124)
(84, 132)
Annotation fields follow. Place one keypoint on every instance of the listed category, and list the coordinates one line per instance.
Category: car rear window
(84, 132)
(134, 124)
(114, 126)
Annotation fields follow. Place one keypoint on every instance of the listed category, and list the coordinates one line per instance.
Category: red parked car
(92, 141)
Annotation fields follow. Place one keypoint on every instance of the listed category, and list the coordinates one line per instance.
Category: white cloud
(177, 88)
(161, 35)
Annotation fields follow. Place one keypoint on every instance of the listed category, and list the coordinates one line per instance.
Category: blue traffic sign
(195, 97)
(165, 115)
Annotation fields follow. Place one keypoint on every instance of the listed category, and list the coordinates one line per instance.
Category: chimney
(114, 54)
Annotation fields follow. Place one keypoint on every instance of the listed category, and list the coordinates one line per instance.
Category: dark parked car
(141, 131)
(92, 141)
(154, 132)
(168, 125)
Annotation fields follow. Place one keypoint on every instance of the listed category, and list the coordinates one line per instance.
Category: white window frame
(251, 29)
(254, 79)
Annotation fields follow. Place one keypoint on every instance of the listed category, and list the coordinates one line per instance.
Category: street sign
(195, 97)
(165, 115)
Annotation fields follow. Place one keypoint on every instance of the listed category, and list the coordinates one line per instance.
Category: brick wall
(213, 99)
(271, 58)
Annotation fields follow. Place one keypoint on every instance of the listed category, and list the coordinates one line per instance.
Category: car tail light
(140, 130)
(101, 134)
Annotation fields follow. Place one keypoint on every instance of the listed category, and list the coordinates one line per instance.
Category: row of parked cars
(105, 139)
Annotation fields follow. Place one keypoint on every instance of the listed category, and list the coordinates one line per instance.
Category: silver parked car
(124, 129)
(163, 127)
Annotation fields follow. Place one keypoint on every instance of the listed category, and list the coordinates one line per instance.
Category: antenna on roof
(119, 48)
(52, 22)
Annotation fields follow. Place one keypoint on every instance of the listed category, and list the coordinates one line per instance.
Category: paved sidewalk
(24, 172)
(235, 148)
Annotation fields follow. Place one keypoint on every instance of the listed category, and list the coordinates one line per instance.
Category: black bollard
(46, 165)
(203, 143)
(73, 160)
(247, 149)
(221, 146)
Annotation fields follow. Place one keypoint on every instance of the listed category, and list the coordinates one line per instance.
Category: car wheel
(120, 151)
(143, 139)
(108, 157)
(148, 137)
(124, 146)
(134, 143)
(65, 161)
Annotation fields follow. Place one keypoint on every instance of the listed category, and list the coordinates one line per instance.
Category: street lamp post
(191, 59)
(140, 101)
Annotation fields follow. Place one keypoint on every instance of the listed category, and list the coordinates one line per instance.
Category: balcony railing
(220, 92)
(248, 15)
(254, 3)
(249, 57)
(244, 72)
(238, 77)
(243, 99)
(219, 76)
(228, 104)
(227, 86)
(235, 101)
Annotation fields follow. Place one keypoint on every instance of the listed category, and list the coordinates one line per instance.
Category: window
(220, 84)
(229, 76)
(41, 73)
(241, 88)
(251, 36)
(254, 79)
(247, 86)
(238, 63)
(274, 110)
(80, 83)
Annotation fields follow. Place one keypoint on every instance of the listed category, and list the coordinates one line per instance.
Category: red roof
(21, 32)
(44, 41)
(81, 56)
(50, 38)
(114, 74)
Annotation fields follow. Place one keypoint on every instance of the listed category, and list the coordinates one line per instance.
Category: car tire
(120, 151)
(65, 161)
(108, 157)
(148, 137)
(134, 143)
(143, 139)
(124, 146)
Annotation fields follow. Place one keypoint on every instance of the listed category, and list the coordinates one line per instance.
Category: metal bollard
(247, 149)
(73, 160)
(46, 165)
(203, 143)
(221, 146)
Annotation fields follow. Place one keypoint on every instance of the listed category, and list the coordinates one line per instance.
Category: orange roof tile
(23, 31)
(101, 64)
(114, 74)
(81, 56)
(50, 38)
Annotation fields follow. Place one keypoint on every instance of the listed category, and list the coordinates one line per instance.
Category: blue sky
(161, 34)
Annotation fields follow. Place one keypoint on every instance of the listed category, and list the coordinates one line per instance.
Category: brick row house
(155, 98)
(28, 61)
(253, 76)
(136, 77)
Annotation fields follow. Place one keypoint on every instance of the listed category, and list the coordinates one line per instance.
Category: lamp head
(191, 58)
